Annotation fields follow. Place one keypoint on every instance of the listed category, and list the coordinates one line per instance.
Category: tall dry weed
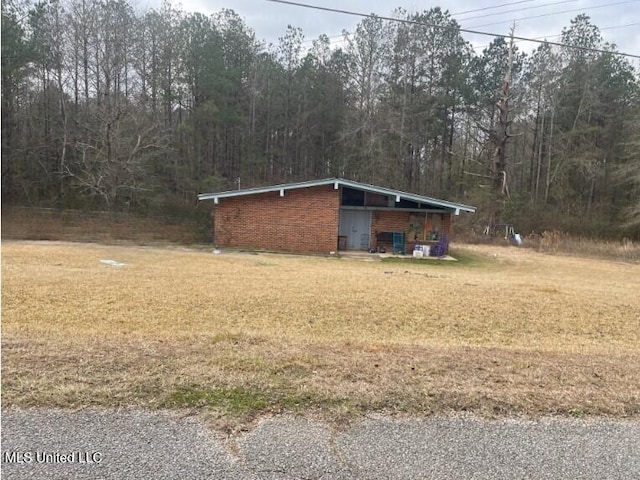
(550, 241)
(555, 241)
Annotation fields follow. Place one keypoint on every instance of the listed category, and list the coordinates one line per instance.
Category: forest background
(108, 108)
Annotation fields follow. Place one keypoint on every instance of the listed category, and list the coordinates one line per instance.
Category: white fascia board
(337, 182)
(273, 188)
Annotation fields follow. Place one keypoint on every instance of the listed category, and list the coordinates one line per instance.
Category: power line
(552, 4)
(560, 35)
(603, 29)
(555, 13)
(619, 26)
(474, 32)
(491, 8)
(515, 19)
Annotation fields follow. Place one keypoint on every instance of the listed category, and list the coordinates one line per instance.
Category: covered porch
(380, 223)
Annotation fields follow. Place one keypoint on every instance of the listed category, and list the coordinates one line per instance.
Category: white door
(356, 226)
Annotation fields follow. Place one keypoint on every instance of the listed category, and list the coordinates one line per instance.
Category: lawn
(506, 331)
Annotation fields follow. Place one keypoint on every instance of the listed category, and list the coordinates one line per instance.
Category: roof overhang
(337, 183)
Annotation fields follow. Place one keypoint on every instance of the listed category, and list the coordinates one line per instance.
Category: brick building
(326, 215)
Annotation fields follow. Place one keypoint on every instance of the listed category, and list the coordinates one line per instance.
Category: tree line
(108, 107)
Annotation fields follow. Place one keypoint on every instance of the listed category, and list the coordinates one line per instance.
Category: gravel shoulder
(54, 444)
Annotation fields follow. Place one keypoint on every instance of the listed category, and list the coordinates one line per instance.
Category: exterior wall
(389, 221)
(398, 221)
(304, 220)
(446, 224)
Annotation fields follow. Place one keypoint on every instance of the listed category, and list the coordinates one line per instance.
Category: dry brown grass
(555, 241)
(508, 331)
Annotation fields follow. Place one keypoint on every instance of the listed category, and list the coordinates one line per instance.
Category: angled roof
(337, 182)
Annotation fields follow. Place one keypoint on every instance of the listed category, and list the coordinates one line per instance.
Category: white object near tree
(518, 239)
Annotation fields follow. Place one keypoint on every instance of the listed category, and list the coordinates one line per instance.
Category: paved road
(139, 445)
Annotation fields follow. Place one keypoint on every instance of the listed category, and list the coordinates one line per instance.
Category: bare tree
(499, 137)
(114, 166)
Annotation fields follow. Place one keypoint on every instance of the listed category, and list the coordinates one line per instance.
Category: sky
(618, 20)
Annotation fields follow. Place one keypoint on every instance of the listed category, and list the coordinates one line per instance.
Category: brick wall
(440, 221)
(304, 220)
(398, 221)
(446, 224)
(388, 221)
